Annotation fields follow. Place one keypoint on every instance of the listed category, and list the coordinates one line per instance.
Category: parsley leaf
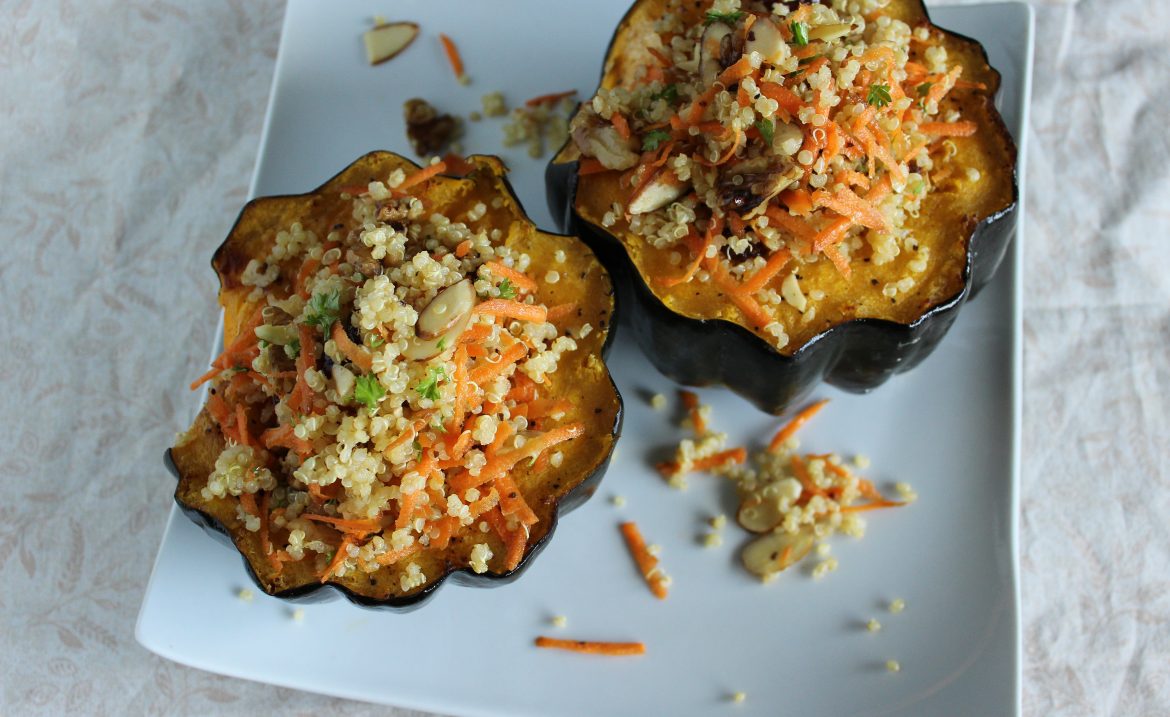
(924, 89)
(377, 342)
(879, 95)
(507, 289)
(767, 129)
(668, 93)
(918, 187)
(293, 348)
(651, 140)
(417, 449)
(799, 33)
(368, 390)
(263, 344)
(729, 18)
(324, 309)
(429, 387)
(443, 343)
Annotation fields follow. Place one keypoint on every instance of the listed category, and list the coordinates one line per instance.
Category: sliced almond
(449, 306)
(419, 349)
(605, 144)
(343, 380)
(771, 553)
(711, 51)
(829, 32)
(765, 38)
(663, 189)
(280, 335)
(384, 42)
(759, 515)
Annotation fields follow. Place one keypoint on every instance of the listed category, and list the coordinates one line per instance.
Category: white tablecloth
(127, 136)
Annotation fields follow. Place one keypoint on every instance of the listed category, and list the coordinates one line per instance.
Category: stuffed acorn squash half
(789, 192)
(412, 384)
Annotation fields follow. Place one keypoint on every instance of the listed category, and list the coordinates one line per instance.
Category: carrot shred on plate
(453, 55)
(648, 564)
(549, 98)
(789, 429)
(592, 647)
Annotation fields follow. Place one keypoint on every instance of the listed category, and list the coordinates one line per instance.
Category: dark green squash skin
(315, 593)
(857, 356)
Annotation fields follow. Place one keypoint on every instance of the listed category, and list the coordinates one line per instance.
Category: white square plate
(796, 646)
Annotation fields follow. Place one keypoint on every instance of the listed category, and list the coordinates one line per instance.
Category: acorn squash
(413, 384)
(787, 194)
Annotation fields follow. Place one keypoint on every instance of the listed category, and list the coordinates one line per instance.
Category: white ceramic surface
(796, 646)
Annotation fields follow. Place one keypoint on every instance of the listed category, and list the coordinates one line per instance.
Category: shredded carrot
(459, 410)
(871, 506)
(553, 97)
(358, 354)
(737, 71)
(690, 401)
(788, 100)
(621, 125)
(647, 564)
(949, 129)
(798, 201)
(487, 370)
(795, 424)
(699, 106)
(463, 248)
(835, 231)
(839, 261)
(848, 204)
(346, 525)
(771, 268)
(421, 176)
(519, 279)
(393, 556)
(242, 425)
(715, 460)
(592, 647)
(338, 558)
(512, 310)
(806, 482)
(452, 55)
(512, 503)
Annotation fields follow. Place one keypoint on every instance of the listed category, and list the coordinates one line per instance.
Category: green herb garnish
(293, 348)
(879, 95)
(729, 18)
(429, 387)
(668, 93)
(443, 342)
(923, 90)
(263, 344)
(766, 128)
(918, 187)
(377, 342)
(651, 140)
(417, 449)
(368, 390)
(324, 309)
(799, 33)
(507, 289)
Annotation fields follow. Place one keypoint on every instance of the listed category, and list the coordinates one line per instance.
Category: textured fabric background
(127, 136)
